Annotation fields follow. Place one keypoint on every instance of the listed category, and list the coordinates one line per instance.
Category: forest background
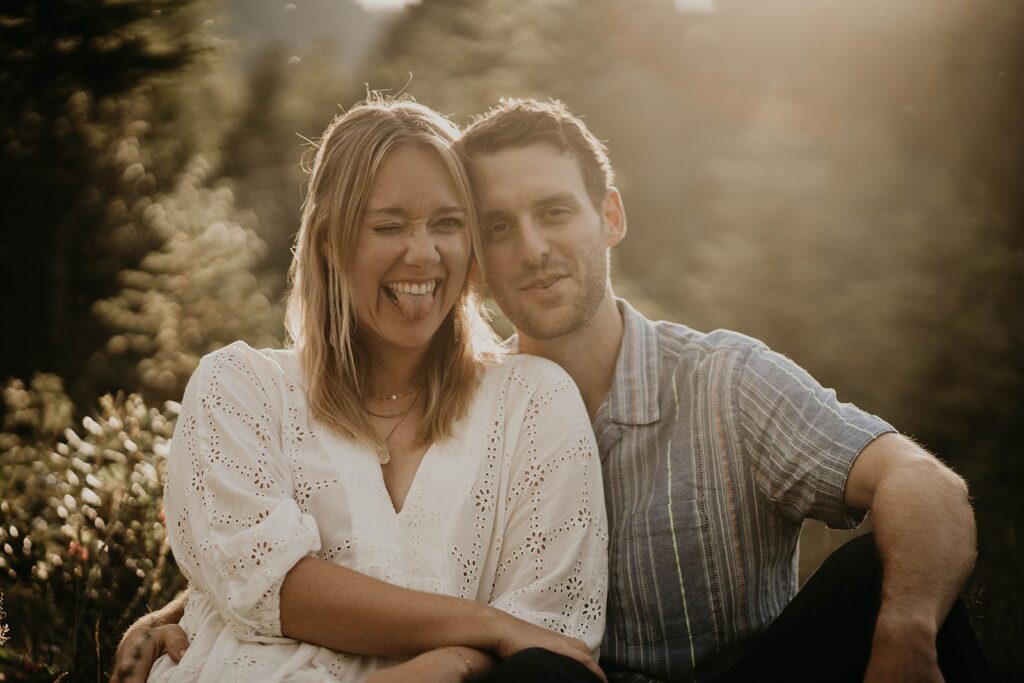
(840, 179)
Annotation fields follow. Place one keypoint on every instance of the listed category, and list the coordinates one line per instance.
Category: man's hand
(903, 649)
(141, 646)
(147, 639)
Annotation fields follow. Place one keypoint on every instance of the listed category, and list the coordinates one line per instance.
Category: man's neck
(588, 353)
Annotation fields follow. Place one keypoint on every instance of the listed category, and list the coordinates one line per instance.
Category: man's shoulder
(679, 339)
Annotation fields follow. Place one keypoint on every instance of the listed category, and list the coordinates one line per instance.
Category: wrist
(487, 628)
(912, 631)
(913, 617)
(442, 664)
(466, 666)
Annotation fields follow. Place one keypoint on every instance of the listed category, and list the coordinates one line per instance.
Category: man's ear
(614, 214)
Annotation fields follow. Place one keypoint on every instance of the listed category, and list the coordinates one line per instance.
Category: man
(714, 450)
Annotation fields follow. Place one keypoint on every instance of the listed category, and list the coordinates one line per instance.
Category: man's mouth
(414, 300)
(542, 282)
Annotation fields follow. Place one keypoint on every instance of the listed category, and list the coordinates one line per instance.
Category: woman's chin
(407, 335)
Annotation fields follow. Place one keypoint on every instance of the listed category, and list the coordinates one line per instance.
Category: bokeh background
(840, 179)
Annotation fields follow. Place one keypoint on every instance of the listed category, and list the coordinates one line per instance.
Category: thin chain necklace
(385, 416)
(385, 456)
(392, 397)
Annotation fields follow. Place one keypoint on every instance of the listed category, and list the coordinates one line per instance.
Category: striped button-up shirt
(714, 450)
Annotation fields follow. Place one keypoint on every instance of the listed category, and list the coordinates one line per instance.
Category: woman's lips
(414, 300)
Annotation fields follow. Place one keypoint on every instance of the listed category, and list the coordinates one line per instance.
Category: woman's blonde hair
(321, 318)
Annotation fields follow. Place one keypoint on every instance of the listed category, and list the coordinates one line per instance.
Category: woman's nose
(421, 250)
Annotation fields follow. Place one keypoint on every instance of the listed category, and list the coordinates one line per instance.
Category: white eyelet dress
(509, 511)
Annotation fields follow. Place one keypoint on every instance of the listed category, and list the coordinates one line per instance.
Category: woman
(391, 442)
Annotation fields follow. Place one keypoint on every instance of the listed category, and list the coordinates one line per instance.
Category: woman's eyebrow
(385, 210)
(399, 211)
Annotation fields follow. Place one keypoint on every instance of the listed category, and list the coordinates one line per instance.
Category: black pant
(825, 632)
(538, 665)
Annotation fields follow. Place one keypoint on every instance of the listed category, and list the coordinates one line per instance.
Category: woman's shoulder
(239, 364)
(523, 373)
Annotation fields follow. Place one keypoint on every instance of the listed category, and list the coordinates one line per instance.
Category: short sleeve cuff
(841, 515)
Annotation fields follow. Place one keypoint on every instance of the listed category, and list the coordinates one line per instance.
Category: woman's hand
(443, 665)
(517, 635)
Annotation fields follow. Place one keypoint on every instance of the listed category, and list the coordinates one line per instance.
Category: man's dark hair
(523, 122)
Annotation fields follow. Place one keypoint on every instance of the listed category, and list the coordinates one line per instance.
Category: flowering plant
(83, 548)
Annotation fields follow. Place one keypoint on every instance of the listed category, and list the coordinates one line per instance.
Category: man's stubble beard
(548, 325)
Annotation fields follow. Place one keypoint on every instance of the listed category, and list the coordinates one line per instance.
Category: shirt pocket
(662, 580)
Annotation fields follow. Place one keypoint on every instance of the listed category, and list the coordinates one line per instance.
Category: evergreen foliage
(838, 179)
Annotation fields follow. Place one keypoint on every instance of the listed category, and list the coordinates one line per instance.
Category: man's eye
(451, 223)
(497, 229)
(557, 212)
(386, 229)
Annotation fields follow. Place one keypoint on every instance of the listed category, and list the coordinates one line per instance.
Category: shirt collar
(633, 399)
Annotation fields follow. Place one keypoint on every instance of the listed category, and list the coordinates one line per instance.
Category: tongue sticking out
(414, 307)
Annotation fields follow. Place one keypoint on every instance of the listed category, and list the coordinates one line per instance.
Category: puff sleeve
(553, 565)
(233, 523)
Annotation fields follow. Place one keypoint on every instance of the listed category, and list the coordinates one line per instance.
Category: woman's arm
(333, 606)
(443, 665)
(363, 615)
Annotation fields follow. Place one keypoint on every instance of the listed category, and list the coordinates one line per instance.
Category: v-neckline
(413, 485)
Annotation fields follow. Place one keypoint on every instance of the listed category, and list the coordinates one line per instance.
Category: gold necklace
(392, 397)
(393, 415)
(385, 456)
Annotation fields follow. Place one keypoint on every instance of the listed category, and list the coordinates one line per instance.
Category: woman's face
(412, 251)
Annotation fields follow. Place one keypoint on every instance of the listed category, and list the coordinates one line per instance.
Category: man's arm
(147, 639)
(924, 529)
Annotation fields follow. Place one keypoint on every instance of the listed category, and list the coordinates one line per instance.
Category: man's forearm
(336, 607)
(924, 527)
(170, 613)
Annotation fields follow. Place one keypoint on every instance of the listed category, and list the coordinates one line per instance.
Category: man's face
(545, 243)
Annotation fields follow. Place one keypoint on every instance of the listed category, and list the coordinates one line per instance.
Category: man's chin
(546, 327)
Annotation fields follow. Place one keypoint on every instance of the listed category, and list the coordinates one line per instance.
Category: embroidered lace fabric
(509, 511)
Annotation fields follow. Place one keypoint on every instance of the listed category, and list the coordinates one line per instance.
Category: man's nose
(533, 247)
(421, 250)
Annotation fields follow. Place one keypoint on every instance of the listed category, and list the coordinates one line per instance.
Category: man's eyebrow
(547, 200)
(558, 198)
(488, 216)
